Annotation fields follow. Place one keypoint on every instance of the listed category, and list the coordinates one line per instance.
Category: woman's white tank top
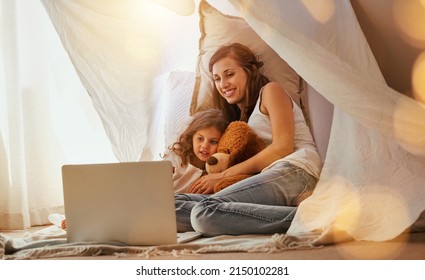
(305, 155)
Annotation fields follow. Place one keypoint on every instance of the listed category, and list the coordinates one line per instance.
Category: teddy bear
(238, 143)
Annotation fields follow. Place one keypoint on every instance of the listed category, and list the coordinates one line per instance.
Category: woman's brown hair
(256, 80)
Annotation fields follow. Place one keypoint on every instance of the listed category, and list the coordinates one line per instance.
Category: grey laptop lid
(132, 203)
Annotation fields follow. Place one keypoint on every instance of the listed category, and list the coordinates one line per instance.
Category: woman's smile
(230, 80)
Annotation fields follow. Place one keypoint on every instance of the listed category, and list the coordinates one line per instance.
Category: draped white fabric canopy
(121, 50)
(371, 185)
(373, 181)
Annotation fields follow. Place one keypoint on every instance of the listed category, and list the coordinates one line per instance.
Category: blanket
(51, 242)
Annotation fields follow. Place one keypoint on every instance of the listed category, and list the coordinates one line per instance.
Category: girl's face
(205, 142)
(230, 80)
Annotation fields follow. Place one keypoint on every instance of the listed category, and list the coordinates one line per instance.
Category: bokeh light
(376, 195)
(409, 16)
(418, 78)
(409, 126)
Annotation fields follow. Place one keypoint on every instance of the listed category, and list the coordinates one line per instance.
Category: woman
(286, 171)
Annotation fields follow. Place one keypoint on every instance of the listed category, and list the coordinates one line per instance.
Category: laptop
(130, 203)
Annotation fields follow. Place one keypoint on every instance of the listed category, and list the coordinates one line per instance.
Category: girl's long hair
(201, 120)
(256, 80)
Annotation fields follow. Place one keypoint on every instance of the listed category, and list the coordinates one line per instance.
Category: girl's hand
(205, 184)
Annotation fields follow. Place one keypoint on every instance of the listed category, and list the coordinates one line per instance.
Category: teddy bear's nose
(212, 160)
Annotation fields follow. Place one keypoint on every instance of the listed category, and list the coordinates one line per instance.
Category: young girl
(196, 144)
(286, 171)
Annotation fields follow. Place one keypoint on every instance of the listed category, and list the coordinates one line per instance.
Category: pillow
(179, 91)
(218, 29)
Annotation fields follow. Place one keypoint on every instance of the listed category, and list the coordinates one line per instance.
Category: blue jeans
(262, 204)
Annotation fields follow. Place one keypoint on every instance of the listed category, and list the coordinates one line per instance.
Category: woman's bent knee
(204, 221)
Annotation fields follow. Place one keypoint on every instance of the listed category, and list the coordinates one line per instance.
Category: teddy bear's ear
(232, 137)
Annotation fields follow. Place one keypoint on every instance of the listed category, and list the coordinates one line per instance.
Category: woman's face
(205, 142)
(230, 80)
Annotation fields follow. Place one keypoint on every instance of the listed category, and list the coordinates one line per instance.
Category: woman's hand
(205, 184)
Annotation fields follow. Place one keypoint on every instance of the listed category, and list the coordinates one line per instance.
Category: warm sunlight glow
(181, 7)
(410, 19)
(141, 48)
(144, 31)
(409, 126)
(321, 10)
(153, 31)
(378, 195)
(418, 78)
